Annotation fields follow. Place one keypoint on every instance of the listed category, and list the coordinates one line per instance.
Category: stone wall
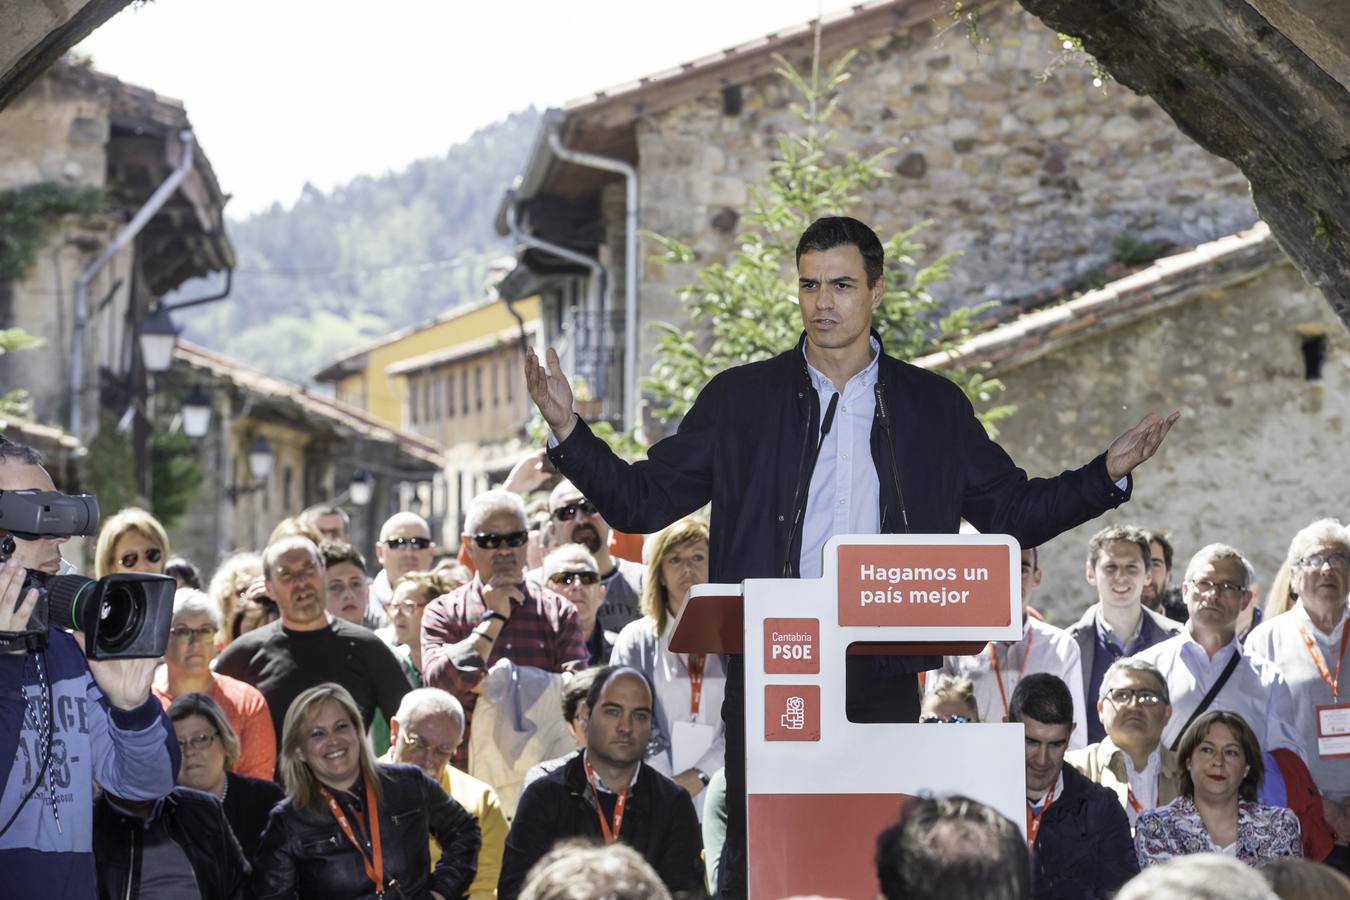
(1033, 179)
(1258, 452)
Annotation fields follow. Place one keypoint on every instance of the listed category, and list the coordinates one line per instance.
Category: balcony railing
(591, 351)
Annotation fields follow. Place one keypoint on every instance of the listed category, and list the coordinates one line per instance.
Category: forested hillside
(373, 255)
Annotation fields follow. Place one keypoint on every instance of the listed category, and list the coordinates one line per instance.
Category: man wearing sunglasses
(574, 520)
(405, 546)
(499, 614)
(572, 571)
(833, 436)
(1131, 760)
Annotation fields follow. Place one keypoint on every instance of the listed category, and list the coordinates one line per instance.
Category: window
(426, 400)
(412, 400)
(450, 394)
(464, 391)
(437, 398)
(478, 388)
(496, 387)
(511, 372)
(1314, 355)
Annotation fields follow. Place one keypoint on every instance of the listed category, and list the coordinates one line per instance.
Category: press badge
(1333, 731)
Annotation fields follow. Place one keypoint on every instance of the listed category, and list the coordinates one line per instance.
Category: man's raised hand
(1137, 445)
(550, 392)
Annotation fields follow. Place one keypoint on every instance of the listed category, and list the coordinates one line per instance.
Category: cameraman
(104, 726)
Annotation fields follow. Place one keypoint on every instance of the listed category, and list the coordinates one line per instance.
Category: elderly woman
(210, 749)
(230, 583)
(1217, 811)
(187, 669)
(350, 828)
(688, 737)
(131, 541)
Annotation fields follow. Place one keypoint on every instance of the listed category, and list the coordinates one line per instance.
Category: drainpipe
(125, 236)
(524, 237)
(210, 298)
(630, 269)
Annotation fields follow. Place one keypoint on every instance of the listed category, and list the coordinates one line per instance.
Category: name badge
(688, 742)
(1333, 731)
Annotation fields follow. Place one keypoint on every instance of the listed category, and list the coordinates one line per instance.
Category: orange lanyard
(1333, 682)
(1134, 803)
(993, 660)
(695, 667)
(610, 835)
(1034, 820)
(375, 868)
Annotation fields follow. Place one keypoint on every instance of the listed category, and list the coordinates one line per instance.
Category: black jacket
(747, 445)
(193, 820)
(248, 802)
(1084, 848)
(307, 856)
(658, 821)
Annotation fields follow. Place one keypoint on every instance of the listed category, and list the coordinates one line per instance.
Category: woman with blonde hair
(350, 827)
(131, 541)
(230, 585)
(688, 736)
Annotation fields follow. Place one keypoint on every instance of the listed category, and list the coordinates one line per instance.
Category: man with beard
(1158, 594)
(607, 793)
(574, 520)
(497, 615)
(308, 645)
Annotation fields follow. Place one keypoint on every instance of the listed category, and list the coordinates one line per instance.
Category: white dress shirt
(1256, 690)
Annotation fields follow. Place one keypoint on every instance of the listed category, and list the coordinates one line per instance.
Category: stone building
(1038, 177)
(1230, 335)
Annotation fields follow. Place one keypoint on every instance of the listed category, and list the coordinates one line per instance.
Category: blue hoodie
(131, 753)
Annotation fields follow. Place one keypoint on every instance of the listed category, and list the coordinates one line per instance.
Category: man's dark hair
(1043, 697)
(181, 568)
(602, 678)
(837, 231)
(575, 691)
(18, 453)
(335, 553)
(1124, 533)
(952, 848)
(1163, 540)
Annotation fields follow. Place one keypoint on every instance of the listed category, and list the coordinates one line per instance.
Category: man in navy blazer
(782, 478)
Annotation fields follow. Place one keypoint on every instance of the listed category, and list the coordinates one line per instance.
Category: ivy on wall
(28, 215)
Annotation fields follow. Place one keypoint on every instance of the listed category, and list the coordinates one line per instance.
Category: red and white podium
(819, 787)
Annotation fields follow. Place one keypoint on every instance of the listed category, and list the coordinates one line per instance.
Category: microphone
(799, 496)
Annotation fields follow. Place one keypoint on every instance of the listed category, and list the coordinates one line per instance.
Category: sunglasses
(153, 555)
(945, 720)
(490, 540)
(569, 512)
(567, 579)
(398, 543)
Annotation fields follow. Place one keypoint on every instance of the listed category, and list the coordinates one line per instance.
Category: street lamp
(157, 335)
(360, 489)
(196, 413)
(260, 459)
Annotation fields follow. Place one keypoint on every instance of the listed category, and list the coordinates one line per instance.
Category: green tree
(743, 310)
(16, 402)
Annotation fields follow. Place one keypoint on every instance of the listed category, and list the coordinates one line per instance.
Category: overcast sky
(281, 92)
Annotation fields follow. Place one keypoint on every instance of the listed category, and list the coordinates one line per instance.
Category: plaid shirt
(544, 632)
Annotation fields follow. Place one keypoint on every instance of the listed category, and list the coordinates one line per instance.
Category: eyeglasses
(152, 555)
(1140, 696)
(183, 633)
(1317, 560)
(567, 579)
(1222, 587)
(413, 742)
(945, 720)
(491, 540)
(198, 741)
(398, 543)
(408, 606)
(569, 512)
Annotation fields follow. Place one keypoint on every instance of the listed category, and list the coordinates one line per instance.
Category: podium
(819, 788)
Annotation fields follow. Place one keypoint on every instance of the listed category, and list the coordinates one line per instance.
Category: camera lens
(120, 616)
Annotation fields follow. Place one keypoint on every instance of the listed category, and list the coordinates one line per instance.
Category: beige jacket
(1104, 763)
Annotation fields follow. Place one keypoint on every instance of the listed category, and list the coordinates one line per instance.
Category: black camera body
(122, 616)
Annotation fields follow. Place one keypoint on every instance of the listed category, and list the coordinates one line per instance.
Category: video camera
(122, 616)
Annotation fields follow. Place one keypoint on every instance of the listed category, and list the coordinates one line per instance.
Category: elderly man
(1133, 706)
(499, 614)
(405, 545)
(1308, 644)
(308, 645)
(1118, 624)
(1204, 665)
(574, 520)
(1078, 834)
(607, 792)
(572, 572)
(425, 733)
(995, 672)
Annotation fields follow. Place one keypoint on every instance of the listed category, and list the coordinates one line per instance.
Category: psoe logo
(795, 717)
(791, 712)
